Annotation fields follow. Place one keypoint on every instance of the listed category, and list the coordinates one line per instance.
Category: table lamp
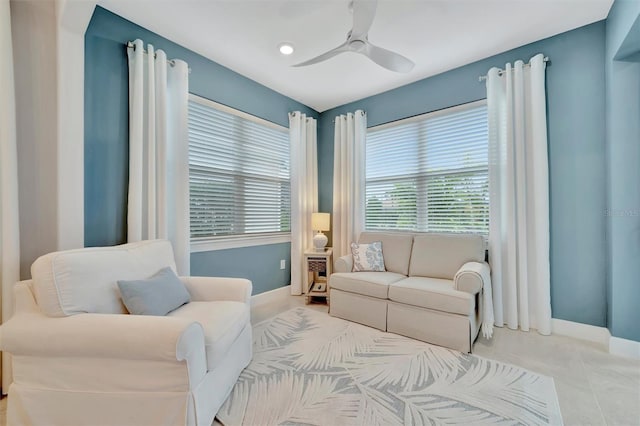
(320, 222)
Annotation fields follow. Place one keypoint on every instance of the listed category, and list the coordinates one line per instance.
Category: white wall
(33, 24)
(50, 123)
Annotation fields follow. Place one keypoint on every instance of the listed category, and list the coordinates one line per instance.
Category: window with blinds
(238, 173)
(429, 173)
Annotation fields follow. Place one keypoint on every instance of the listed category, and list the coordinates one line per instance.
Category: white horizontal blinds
(238, 174)
(429, 174)
(392, 159)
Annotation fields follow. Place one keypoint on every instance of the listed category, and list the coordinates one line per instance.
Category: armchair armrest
(210, 289)
(472, 277)
(343, 264)
(133, 337)
(109, 336)
(118, 336)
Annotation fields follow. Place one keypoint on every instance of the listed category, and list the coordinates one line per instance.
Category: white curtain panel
(348, 180)
(159, 150)
(519, 196)
(304, 191)
(9, 226)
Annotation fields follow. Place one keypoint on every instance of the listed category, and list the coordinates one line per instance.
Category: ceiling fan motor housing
(357, 45)
(363, 15)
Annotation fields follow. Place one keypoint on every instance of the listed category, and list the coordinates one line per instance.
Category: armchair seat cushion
(432, 293)
(222, 321)
(374, 284)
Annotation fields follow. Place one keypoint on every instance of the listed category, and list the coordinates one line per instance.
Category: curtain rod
(546, 60)
(363, 113)
(130, 45)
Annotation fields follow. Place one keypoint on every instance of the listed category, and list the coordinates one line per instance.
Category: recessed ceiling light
(285, 48)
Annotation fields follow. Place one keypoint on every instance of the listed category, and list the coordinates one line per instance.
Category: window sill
(238, 242)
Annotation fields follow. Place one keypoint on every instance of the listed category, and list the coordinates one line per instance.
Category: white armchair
(80, 358)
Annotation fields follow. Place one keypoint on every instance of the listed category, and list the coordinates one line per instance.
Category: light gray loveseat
(431, 289)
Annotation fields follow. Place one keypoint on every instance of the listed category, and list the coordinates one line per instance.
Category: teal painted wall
(576, 130)
(595, 224)
(622, 68)
(106, 140)
(252, 263)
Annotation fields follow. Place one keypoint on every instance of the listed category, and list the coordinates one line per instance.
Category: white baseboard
(581, 331)
(601, 335)
(624, 347)
(271, 295)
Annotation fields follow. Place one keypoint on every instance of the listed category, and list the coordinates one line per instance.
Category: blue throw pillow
(367, 257)
(158, 295)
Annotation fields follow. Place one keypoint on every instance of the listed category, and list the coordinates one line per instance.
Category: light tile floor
(594, 387)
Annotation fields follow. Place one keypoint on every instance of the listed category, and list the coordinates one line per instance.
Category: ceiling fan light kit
(364, 11)
(285, 48)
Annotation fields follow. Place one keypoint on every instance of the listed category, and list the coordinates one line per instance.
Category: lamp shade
(320, 221)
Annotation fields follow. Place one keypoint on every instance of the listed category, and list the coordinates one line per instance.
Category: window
(429, 173)
(238, 178)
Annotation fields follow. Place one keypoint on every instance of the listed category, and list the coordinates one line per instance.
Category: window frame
(417, 118)
(203, 244)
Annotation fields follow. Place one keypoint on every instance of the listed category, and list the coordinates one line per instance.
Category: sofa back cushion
(396, 249)
(441, 255)
(85, 280)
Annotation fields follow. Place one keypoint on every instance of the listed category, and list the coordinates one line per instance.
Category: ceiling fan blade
(387, 59)
(330, 54)
(363, 13)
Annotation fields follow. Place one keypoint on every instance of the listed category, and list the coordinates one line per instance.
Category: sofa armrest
(210, 289)
(472, 277)
(343, 264)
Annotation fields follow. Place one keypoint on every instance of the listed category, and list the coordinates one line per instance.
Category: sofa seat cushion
(374, 284)
(432, 293)
(222, 321)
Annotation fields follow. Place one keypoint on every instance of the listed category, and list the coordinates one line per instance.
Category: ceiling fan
(364, 11)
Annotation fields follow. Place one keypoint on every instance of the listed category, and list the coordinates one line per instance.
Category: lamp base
(319, 242)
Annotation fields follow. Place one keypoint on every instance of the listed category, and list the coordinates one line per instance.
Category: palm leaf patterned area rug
(312, 369)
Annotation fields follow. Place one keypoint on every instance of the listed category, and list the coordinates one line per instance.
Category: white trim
(73, 18)
(601, 335)
(238, 241)
(236, 112)
(432, 114)
(624, 347)
(70, 184)
(580, 331)
(280, 293)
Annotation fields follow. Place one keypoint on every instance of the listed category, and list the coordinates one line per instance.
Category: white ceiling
(438, 35)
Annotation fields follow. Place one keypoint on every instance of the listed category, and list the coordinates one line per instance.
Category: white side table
(318, 266)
